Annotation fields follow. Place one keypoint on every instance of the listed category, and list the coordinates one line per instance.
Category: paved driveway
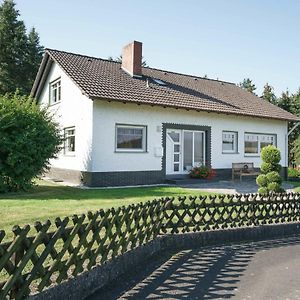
(260, 270)
(228, 186)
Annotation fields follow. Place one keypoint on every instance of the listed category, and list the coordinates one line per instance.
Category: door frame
(182, 143)
(180, 161)
(207, 138)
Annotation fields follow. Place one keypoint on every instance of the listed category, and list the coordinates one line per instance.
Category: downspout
(295, 126)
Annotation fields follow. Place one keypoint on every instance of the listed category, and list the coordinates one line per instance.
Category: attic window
(55, 91)
(158, 81)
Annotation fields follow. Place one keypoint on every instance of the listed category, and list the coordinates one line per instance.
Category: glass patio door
(184, 150)
(193, 150)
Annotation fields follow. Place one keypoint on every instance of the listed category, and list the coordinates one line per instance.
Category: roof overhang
(241, 114)
(41, 76)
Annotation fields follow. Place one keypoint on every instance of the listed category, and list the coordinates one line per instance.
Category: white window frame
(259, 137)
(235, 142)
(193, 150)
(66, 136)
(134, 150)
(55, 86)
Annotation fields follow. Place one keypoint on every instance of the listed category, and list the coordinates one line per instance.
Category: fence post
(162, 203)
(167, 205)
(16, 258)
(253, 207)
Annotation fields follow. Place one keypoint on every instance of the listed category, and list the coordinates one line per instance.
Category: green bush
(263, 191)
(293, 173)
(29, 138)
(270, 154)
(295, 151)
(262, 180)
(274, 187)
(270, 180)
(268, 167)
(203, 172)
(274, 177)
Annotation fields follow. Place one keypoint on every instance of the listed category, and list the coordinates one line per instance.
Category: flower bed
(202, 172)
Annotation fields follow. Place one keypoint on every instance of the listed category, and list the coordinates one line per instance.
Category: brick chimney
(132, 59)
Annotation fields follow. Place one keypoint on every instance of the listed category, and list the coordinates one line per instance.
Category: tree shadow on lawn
(204, 273)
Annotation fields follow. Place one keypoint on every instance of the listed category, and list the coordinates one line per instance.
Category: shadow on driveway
(258, 270)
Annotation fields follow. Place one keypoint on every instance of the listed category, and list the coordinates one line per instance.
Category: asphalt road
(260, 270)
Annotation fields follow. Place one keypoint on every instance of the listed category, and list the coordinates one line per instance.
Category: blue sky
(229, 39)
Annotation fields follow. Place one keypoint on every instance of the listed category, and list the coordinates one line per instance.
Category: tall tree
(248, 85)
(13, 47)
(295, 103)
(294, 108)
(33, 58)
(285, 101)
(290, 103)
(268, 94)
(295, 152)
(18, 51)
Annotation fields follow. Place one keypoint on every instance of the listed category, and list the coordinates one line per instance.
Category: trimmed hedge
(270, 180)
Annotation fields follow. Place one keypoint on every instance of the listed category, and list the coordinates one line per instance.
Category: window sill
(251, 155)
(130, 151)
(53, 104)
(69, 154)
(230, 153)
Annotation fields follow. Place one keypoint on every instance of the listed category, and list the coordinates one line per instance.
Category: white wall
(106, 115)
(95, 121)
(75, 109)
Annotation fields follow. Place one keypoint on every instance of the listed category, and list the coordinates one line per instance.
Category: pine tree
(295, 103)
(12, 48)
(34, 57)
(20, 54)
(248, 85)
(268, 94)
(290, 103)
(285, 101)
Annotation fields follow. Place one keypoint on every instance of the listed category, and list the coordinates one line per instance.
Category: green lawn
(296, 185)
(49, 200)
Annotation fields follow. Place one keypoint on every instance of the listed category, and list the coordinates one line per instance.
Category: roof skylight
(158, 81)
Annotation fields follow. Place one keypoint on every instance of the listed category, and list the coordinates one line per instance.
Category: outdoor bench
(243, 169)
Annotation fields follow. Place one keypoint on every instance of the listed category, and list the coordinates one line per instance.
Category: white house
(125, 124)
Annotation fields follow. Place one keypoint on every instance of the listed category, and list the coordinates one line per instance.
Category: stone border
(87, 283)
(228, 236)
(84, 285)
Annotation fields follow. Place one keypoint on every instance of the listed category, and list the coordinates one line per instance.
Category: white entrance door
(173, 152)
(184, 150)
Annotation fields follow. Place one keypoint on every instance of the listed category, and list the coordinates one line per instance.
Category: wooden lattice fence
(29, 264)
(203, 213)
(56, 252)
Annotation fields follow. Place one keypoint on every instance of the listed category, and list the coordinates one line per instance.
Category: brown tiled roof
(104, 79)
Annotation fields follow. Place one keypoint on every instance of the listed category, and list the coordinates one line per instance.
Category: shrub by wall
(29, 138)
(270, 180)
